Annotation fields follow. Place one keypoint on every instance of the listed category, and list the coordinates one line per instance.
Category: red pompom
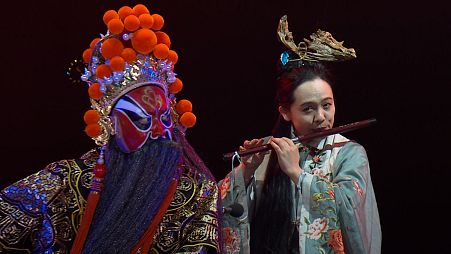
(94, 91)
(109, 15)
(140, 9)
(91, 116)
(161, 51)
(117, 63)
(124, 11)
(183, 106)
(112, 47)
(103, 71)
(131, 23)
(173, 57)
(115, 26)
(162, 37)
(93, 130)
(128, 54)
(87, 55)
(94, 42)
(158, 21)
(176, 86)
(144, 40)
(188, 119)
(146, 20)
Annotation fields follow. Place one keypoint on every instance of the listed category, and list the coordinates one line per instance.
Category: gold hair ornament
(321, 47)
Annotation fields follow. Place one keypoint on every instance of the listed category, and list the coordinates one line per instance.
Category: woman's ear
(285, 114)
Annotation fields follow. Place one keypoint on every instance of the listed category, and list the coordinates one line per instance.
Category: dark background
(228, 52)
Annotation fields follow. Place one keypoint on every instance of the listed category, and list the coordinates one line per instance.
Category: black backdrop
(228, 50)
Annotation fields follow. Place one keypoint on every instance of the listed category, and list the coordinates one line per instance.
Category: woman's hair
(271, 227)
(290, 76)
(293, 74)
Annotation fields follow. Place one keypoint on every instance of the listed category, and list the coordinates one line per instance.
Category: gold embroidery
(191, 220)
(54, 192)
(194, 223)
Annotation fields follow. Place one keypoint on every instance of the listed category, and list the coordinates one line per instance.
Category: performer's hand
(251, 162)
(288, 157)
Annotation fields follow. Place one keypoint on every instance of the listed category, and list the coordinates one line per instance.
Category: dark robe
(42, 213)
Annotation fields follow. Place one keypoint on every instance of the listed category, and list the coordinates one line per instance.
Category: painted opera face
(141, 114)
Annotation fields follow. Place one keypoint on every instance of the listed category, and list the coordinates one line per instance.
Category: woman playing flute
(315, 197)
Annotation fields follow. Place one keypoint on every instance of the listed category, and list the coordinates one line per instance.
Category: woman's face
(313, 108)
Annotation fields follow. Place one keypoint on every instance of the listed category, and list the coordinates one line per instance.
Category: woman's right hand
(252, 161)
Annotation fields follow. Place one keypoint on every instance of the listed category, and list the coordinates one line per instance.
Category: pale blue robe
(335, 195)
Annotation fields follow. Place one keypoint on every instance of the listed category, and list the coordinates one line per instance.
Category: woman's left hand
(288, 156)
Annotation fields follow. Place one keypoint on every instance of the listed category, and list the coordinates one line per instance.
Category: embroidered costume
(41, 213)
(336, 205)
(330, 205)
(144, 189)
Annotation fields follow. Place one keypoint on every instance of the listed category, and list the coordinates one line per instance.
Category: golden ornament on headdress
(133, 53)
(321, 47)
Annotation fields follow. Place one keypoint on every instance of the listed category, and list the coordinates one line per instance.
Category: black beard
(135, 185)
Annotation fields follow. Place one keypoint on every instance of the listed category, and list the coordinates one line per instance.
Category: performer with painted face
(142, 114)
(144, 189)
